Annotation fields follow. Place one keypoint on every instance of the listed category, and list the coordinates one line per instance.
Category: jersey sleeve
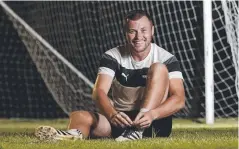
(108, 65)
(173, 68)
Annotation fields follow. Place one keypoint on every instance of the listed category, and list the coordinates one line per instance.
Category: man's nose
(138, 35)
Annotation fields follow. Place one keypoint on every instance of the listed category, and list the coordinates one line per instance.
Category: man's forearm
(172, 105)
(104, 104)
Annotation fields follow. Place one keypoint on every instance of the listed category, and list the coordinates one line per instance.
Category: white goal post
(230, 9)
(208, 53)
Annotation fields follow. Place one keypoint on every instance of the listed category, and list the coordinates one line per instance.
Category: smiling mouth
(138, 42)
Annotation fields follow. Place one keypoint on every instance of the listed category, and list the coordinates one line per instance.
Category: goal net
(65, 41)
(231, 13)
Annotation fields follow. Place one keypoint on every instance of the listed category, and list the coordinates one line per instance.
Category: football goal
(52, 49)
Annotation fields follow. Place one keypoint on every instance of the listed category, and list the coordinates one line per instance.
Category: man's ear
(152, 30)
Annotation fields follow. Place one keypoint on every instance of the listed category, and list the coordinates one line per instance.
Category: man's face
(139, 34)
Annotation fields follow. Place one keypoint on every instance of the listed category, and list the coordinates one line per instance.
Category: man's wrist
(144, 110)
(112, 114)
(154, 114)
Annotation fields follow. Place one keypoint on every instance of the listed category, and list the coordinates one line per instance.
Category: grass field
(18, 134)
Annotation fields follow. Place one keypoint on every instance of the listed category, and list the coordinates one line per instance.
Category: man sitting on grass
(147, 88)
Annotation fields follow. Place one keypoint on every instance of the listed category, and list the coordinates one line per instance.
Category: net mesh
(231, 12)
(82, 31)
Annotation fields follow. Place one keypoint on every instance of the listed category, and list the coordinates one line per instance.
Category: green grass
(18, 134)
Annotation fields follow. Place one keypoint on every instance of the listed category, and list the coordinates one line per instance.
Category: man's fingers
(144, 123)
(126, 118)
(117, 122)
(123, 120)
(143, 119)
(145, 126)
(120, 123)
(139, 116)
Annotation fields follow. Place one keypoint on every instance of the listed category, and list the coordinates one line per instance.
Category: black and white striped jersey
(130, 76)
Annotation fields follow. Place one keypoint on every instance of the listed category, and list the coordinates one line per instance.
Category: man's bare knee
(156, 70)
(81, 118)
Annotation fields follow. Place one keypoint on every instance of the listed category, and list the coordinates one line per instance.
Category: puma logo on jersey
(144, 76)
(125, 76)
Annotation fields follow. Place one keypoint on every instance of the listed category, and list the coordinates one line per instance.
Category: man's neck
(139, 56)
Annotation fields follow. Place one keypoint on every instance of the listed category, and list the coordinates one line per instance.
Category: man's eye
(131, 31)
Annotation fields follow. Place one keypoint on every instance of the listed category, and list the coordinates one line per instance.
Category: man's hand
(121, 119)
(144, 119)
